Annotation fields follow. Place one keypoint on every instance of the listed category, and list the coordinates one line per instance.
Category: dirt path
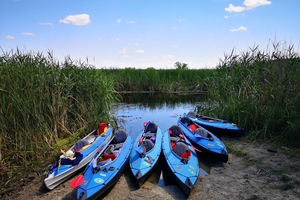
(252, 172)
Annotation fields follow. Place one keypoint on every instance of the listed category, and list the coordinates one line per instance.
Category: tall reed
(159, 81)
(260, 91)
(43, 101)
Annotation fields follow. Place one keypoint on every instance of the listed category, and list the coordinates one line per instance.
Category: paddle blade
(77, 181)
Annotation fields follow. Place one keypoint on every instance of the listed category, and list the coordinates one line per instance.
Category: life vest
(193, 127)
(102, 128)
(187, 154)
(108, 156)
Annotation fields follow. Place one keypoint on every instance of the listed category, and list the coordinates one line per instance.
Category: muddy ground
(254, 171)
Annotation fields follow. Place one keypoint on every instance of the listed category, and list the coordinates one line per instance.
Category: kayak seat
(192, 114)
(150, 135)
(151, 128)
(180, 148)
(147, 145)
(201, 131)
(120, 136)
(175, 130)
(81, 145)
(186, 121)
(174, 139)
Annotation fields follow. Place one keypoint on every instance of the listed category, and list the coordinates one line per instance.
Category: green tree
(179, 65)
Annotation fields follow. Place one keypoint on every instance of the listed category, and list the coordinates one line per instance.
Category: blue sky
(147, 33)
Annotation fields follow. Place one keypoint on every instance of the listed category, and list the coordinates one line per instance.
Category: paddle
(77, 181)
(196, 149)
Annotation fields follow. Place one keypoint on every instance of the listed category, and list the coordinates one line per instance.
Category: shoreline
(255, 173)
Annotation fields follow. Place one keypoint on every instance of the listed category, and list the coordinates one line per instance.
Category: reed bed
(159, 81)
(259, 90)
(43, 101)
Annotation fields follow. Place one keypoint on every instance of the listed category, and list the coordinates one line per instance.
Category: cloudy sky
(147, 33)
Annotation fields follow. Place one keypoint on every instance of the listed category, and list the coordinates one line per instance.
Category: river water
(164, 110)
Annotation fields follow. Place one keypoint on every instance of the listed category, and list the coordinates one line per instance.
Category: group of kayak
(106, 153)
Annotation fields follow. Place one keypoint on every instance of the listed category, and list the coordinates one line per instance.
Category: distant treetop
(179, 65)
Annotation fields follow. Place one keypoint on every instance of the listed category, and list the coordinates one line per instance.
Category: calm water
(163, 110)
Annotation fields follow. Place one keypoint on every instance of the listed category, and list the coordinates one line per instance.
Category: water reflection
(164, 110)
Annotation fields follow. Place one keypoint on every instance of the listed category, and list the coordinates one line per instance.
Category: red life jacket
(108, 156)
(102, 127)
(186, 154)
(193, 127)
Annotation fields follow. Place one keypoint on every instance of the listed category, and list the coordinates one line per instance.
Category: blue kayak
(216, 126)
(180, 159)
(81, 154)
(106, 168)
(145, 153)
(204, 140)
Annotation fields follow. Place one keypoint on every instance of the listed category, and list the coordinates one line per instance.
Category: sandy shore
(252, 172)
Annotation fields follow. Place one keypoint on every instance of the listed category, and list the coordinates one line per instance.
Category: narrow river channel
(164, 110)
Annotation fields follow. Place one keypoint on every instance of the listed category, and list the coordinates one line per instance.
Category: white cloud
(248, 5)
(232, 8)
(27, 34)
(10, 37)
(169, 57)
(45, 24)
(180, 20)
(137, 44)
(173, 27)
(241, 28)
(117, 39)
(139, 51)
(119, 21)
(77, 20)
